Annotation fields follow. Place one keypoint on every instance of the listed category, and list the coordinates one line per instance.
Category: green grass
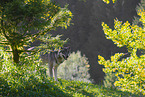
(63, 88)
(29, 79)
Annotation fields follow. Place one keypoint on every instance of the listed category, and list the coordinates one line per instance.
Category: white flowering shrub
(75, 68)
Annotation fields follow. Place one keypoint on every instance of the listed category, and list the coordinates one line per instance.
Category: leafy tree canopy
(23, 21)
(130, 71)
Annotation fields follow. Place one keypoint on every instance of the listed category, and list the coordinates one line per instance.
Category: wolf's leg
(55, 73)
(50, 70)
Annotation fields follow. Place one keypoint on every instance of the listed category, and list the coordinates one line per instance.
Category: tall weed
(19, 77)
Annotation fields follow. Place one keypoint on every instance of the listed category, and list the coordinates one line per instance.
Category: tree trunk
(16, 54)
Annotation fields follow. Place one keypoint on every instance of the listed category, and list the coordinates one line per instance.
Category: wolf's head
(65, 52)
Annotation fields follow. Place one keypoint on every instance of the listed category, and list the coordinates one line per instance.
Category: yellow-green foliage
(131, 70)
(24, 21)
(139, 8)
(109, 80)
(108, 1)
(48, 43)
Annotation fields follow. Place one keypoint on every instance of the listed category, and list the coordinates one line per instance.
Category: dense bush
(75, 68)
(22, 77)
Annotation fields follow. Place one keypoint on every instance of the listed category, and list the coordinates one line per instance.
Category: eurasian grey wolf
(55, 58)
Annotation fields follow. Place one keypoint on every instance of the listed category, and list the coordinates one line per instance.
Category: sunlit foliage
(139, 8)
(23, 21)
(130, 71)
(108, 1)
(49, 43)
(29, 79)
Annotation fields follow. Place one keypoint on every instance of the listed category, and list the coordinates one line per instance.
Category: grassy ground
(29, 79)
(63, 88)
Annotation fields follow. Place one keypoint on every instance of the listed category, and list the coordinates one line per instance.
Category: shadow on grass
(80, 89)
(117, 93)
(31, 88)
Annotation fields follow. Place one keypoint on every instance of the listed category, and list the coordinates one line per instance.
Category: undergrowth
(28, 79)
(64, 88)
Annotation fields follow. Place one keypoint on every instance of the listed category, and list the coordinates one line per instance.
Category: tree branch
(3, 30)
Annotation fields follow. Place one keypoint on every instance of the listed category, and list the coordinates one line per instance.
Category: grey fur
(55, 59)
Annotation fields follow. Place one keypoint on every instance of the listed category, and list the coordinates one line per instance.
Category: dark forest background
(86, 34)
